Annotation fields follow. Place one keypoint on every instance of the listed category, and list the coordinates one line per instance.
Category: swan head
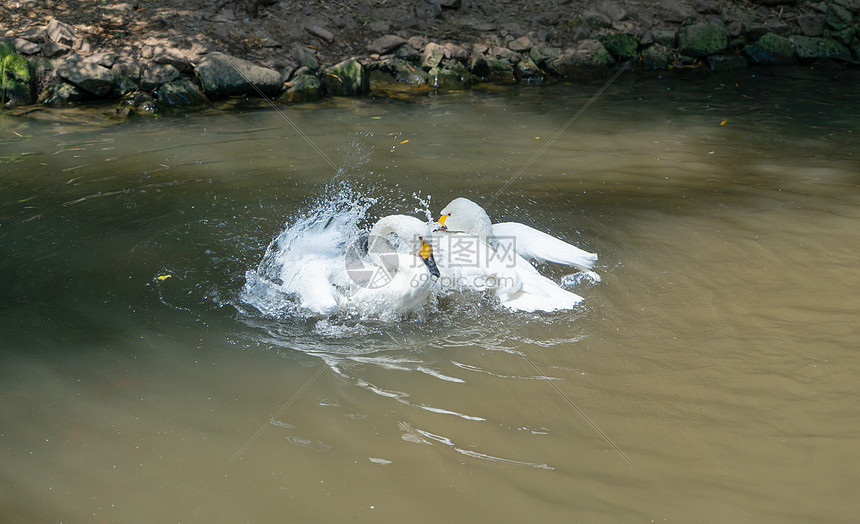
(464, 216)
(405, 235)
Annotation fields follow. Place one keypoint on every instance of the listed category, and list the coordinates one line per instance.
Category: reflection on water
(717, 353)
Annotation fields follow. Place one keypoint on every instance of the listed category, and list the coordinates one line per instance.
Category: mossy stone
(451, 76)
(180, 93)
(6, 48)
(621, 46)
(527, 71)
(702, 39)
(810, 48)
(348, 78)
(657, 57)
(60, 94)
(16, 86)
(771, 48)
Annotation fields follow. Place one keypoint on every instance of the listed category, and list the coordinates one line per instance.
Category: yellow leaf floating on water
(407, 140)
(162, 278)
(724, 121)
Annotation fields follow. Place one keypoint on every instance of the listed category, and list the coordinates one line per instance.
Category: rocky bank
(151, 55)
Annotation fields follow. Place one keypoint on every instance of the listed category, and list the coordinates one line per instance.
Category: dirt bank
(521, 41)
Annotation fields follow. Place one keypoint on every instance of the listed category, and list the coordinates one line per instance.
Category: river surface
(712, 375)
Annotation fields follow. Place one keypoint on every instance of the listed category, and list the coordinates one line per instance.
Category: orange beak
(441, 221)
(426, 254)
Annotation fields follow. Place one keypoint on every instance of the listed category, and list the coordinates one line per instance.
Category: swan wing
(530, 243)
(539, 293)
(312, 283)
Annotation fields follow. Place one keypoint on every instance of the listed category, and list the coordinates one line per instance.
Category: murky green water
(712, 376)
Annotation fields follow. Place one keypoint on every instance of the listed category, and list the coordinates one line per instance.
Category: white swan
(320, 264)
(398, 276)
(477, 254)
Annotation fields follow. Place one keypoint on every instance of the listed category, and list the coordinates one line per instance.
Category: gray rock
(60, 94)
(417, 42)
(851, 5)
(736, 44)
(612, 9)
(503, 53)
(838, 17)
(103, 59)
(223, 75)
(521, 44)
(126, 75)
(432, 56)
(735, 28)
(483, 26)
(720, 63)
(595, 19)
(706, 7)
(16, 81)
(453, 75)
(83, 46)
(456, 52)
(657, 57)
(849, 36)
(855, 50)
(60, 32)
(155, 76)
(527, 71)
(771, 49)
(810, 48)
(304, 87)
(321, 32)
(379, 26)
(674, 11)
(702, 39)
(142, 103)
(400, 71)
(478, 66)
(180, 93)
(348, 78)
(34, 35)
(757, 29)
(499, 71)
(408, 53)
(740, 16)
(591, 56)
(88, 76)
(541, 54)
(306, 57)
(810, 25)
(286, 65)
(451, 4)
(385, 44)
(26, 47)
(164, 55)
(621, 46)
(664, 36)
(51, 49)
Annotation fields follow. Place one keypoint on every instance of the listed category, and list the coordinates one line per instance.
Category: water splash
(321, 233)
